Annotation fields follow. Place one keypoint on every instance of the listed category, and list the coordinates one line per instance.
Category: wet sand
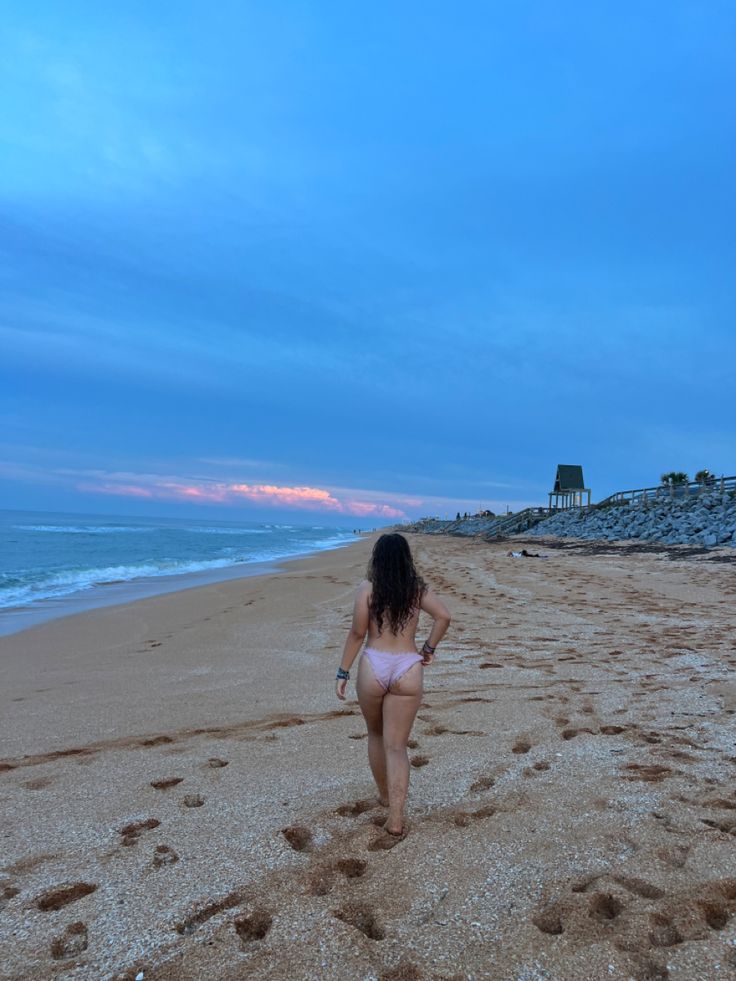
(183, 795)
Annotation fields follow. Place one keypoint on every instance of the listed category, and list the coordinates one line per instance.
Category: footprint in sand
(600, 907)
(27, 864)
(727, 825)
(521, 746)
(320, 883)
(38, 783)
(216, 763)
(548, 921)
(163, 855)
(419, 761)
(687, 916)
(60, 896)
(197, 917)
(166, 783)
(378, 820)
(193, 800)
(385, 841)
(463, 819)
(581, 885)
(639, 887)
(351, 868)
(604, 907)
(131, 832)
(71, 943)
(253, 926)
(7, 892)
(720, 803)
(663, 932)
(362, 918)
(356, 808)
(573, 732)
(652, 773)
(482, 783)
(298, 837)
(435, 730)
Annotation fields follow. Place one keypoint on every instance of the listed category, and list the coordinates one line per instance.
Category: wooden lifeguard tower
(569, 488)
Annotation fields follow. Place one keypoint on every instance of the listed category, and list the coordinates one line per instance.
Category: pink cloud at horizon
(301, 497)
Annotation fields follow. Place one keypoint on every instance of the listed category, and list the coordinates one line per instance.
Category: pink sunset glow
(292, 496)
(302, 498)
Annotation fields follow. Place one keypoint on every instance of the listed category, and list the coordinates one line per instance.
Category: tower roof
(569, 478)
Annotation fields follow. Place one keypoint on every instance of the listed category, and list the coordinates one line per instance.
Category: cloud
(220, 490)
(213, 492)
(123, 490)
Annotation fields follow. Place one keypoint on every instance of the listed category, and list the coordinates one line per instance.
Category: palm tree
(674, 477)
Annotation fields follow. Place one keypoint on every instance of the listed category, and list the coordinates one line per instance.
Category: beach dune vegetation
(674, 478)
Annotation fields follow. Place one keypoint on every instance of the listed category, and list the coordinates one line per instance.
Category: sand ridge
(184, 795)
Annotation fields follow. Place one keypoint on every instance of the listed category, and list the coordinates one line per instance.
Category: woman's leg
(370, 698)
(400, 706)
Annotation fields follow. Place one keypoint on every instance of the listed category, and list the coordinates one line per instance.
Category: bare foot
(388, 839)
(396, 828)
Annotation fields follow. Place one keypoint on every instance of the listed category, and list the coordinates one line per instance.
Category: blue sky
(367, 260)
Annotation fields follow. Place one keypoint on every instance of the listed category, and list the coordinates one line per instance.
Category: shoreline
(184, 796)
(71, 652)
(15, 619)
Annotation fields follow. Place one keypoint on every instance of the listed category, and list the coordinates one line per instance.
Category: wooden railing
(668, 491)
(510, 524)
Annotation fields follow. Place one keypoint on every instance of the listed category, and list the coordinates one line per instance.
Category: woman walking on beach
(390, 672)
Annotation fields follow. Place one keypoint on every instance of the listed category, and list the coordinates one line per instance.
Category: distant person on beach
(523, 554)
(391, 672)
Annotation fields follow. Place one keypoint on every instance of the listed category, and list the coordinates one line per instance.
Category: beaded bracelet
(342, 674)
(428, 648)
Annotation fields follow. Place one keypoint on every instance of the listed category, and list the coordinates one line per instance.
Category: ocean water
(54, 564)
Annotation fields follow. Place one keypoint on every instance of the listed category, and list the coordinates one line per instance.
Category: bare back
(386, 639)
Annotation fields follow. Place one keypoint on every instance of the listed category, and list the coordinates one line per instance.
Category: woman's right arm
(432, 604)
(355, 637)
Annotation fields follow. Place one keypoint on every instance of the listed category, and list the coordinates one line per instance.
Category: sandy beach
(184, 797)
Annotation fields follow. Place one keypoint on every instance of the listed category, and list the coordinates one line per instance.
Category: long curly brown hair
(397, 587)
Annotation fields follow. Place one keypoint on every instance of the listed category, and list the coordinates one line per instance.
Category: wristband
(342, 674)
(428, 648)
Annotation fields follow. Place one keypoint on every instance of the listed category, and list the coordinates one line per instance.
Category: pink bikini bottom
(389, 667)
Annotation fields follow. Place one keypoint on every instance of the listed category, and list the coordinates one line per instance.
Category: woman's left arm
(355, 637)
